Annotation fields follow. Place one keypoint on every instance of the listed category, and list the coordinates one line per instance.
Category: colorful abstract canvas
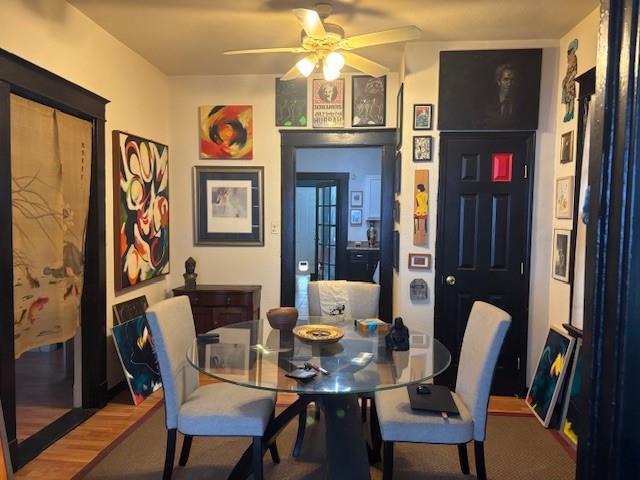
(226, 132)
(136, 351)
(550, 373)
(572, 413)
(141, 214)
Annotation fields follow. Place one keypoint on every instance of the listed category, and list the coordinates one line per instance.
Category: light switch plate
(275, 228)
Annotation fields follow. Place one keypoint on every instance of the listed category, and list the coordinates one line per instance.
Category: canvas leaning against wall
(141, 210)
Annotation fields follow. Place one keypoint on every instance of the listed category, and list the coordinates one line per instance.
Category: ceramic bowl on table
(282, 318)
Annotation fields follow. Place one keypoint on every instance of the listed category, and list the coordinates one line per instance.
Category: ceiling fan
(325, 44)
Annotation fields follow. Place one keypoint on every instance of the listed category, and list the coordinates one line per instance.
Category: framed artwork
(420, 261)
(328, 103)
(356, 216)
(561, 251)
(422, 115)
(399, 103)
(135, 349)
(6, 468)
(418, 290)
(125, 311)
(226, 132)
(504, 93)
(572, 413)
(396, 250)
(564, 197)
(569, 81)
(396, 211)
(550, 373)
(422, 149)
(566, 147)
(421, 208)
(291, 103)
(368, 101)
(229, 206)
(140, 210)
(356, 198)
(397, 179)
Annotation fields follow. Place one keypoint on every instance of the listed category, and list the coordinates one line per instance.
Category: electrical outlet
(275, 228)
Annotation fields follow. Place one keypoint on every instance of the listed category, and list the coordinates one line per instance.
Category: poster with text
(328, 103)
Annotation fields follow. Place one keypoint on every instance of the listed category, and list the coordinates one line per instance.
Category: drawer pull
(195, 299)
(228, 300)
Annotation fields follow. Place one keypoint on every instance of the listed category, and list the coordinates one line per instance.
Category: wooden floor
(73, 455)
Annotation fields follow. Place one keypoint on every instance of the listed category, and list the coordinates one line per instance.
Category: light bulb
(306, 65)
(330, 73)
(335, 61)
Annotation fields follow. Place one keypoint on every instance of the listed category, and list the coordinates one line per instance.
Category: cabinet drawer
(219, 300)
(358, 256)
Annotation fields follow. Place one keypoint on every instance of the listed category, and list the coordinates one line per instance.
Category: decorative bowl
(282, 318)
(316, 333)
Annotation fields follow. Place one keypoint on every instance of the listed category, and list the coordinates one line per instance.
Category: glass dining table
(253, 355)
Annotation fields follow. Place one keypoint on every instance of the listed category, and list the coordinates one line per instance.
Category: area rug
(516, 448)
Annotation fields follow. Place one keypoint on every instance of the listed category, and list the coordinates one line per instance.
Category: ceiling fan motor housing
(329, 42)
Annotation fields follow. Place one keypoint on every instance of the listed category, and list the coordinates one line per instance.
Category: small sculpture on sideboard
(190, 274)
(398, 337)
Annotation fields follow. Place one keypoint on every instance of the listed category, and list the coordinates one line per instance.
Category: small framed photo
(420, 261)
(561, 251)
(564, 198)
(422, 148)
(422, 115)
(356, 216)
(356, 198)
(566, 147)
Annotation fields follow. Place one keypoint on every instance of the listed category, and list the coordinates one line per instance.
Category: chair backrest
(363, 299)
(483, 338)
(173, 332)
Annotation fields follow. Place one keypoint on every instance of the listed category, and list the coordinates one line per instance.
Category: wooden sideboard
(215, 306)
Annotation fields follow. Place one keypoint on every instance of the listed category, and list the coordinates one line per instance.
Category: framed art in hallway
(566, 147)
(356, 216)
(291, 103)
(564, 197)
(369, 101)
(572, 412)
(422, 148)
(399, 113)
(228, 206)
(420, 261)
(356, 198)
(226, 132)
(561, 252)
(328, 103)
(422, 115)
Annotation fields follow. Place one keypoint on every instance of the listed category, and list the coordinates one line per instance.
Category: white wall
(57, 37)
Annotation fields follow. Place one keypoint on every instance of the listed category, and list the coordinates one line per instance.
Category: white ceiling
(187, 37)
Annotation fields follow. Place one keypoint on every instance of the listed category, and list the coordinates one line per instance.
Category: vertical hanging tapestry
(51, 175)
(421, 208)
(141, 214)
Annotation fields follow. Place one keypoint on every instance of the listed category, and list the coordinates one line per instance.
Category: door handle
(451, 280)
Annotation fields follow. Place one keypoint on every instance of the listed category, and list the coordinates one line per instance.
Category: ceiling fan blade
(291, 74)
(401, 34)
(364, 64)
(310, 21)
(266, 50)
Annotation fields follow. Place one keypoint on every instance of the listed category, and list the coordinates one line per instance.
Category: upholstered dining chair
(483, 338)
(217, 410)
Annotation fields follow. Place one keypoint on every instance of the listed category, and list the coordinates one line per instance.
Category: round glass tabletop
(251, 354)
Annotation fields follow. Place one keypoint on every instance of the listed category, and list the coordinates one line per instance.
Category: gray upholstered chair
(219, 409)
(483, 338)
(363, 299)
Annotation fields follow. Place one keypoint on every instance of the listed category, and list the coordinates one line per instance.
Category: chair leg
(317, 412)
(374, 426)
(481, 472)
(464, 458)
(363, 408)
(387, 460)
(170, 453)
(273, 449)
(186, 448)
(302, 425)
(257, 458)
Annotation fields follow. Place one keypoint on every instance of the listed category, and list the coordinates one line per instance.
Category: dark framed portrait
(229, 206)
(422, 148)
(399, 102)
(561, 252)
(291, 103)
(566, 147)
(489, 89)
(422, 115)
(368, 101)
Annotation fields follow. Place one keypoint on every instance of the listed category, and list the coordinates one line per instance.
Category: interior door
(483, 243)
(326, 229)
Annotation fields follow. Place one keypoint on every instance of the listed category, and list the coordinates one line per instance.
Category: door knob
(451, 280)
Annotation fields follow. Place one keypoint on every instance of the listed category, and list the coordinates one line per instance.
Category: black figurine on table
(398, 337)
(190, 274)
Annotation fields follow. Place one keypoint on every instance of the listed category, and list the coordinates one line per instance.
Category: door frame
(342, 219)
(440, 315)
(291, 140)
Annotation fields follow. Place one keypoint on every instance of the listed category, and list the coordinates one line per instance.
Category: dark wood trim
(608, 446)
(530, 139)
(342, 216)
(293, 139)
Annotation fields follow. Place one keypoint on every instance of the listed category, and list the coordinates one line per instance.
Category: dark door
(326, 229)
(483, 243)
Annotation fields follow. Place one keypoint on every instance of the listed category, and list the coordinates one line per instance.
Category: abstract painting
(369, 98)
(328, 103)
(421, 208)
(125, 311)
(489, 89)
(229, 206)
(291, 103)
(226, 132)
(550, 373)
(572, 414)
(141, 214)
(136, 351)
(422, 148)
(561, 251)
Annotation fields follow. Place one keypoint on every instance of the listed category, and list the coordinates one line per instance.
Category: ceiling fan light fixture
(334, 61)
(307, 65)
(329, 72)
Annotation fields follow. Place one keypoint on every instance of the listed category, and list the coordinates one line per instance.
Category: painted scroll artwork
(136, 351)
(421, 208)
(226, 131)
(569, 82)
(51, 175)
(141, 215)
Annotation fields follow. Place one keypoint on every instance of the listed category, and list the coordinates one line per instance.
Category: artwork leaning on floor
(572, 415)
(291, 103)
(550, 373)
(141, 210)
(226, 132)
(137, 356)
